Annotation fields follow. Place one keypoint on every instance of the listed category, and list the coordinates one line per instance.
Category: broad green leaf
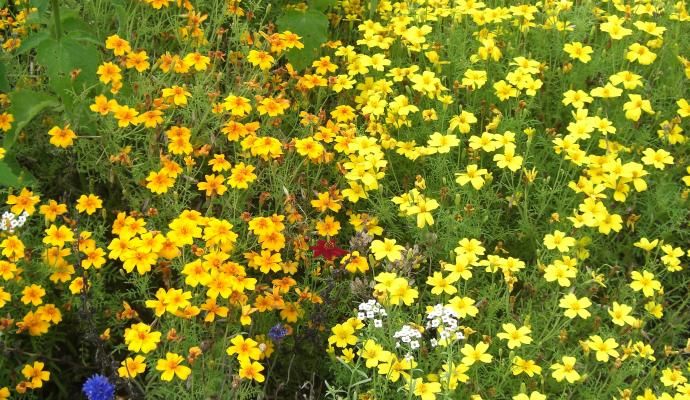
(312, 26)
(42, 5)
(33, 41)
(26, 105)
(11, 174)
(4, 83)
(73, 25)
(322, 4)
(7, 176)
(61, 58)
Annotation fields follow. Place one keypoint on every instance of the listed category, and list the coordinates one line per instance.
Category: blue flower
(98, 388)
(277, 332)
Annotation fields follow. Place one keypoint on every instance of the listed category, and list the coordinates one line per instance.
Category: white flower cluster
(9, 222)
(408, 335)
(372, 310)
(445, 321)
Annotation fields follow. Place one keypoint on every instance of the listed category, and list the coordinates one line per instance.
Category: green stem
(56, 16)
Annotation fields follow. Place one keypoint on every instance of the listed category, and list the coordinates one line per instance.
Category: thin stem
(56, 16)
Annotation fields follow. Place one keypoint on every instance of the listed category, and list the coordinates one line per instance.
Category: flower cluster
(9, 221)
(409, 336)
(371, 310)
(445, 321)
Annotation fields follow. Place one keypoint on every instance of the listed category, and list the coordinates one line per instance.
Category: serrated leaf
(322, 5)
(4, 83)
(312, 26)
(26, 105)
(61, 58)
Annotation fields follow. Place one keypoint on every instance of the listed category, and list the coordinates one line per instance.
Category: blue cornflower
(98, 387)
(277, 332)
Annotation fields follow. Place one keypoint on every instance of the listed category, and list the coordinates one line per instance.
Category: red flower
(327, 250)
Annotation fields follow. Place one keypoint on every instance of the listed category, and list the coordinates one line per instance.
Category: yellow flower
(522, 366)
(33, 295)
(328, 226)
(89, 204)
(386, 249)
(138, 60)
(474, 79)
(118, 45)
(579, 52)
(131, 367)
(126, 116)
(673, 377)
(504, 91)
(178, 94)
(251, 370)
(575, 307)
(442, 284)
(508, 159)
(560, 271)
(246, 349)
(423, 208)
(516, 337)
(343, 335)
(241, 176)
(476, 353)
(640, 53)
(441, 144)
(646, 245)
(604, 348)
(620, 314)
(172, 366)
(13, 248)
(197, 60)
(558, 240)
(58, 236)
(260, 58)
(576, 98)
(658, 158)
(532, 396)
(140, 338)
(159, 182)
(426, 390)
(35, 374)
(634, 107)
(614, 27)
(463, 306)
(645, 282)
(25, 201)
(373, 353)
(62, 137)
(213, 185)
(237, 105)
(401, 291)
(6, 120)
(566, 370)
(52, 210)
(108, 72)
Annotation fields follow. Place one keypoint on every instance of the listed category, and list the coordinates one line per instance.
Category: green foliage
(62, 58)
(312, 26)
(26, 105)
(51, 81)
(322, 5)
(4, 83)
